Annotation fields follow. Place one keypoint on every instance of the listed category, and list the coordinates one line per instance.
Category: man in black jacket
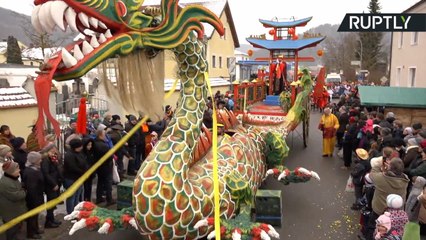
(52, 181)
(132, 145)
(100, 148)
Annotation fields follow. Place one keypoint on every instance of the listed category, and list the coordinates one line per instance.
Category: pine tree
(370, 45)
(13, 51)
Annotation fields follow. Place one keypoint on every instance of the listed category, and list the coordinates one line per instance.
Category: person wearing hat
(362, 167)
(12, 197)
(6, 135)
(328, 125)
(75, 165)
(104, 172)
(412, 152)
(391, 180)
(19, 152)
(53, 179)
(32, 142)
(5, 155)
(132, 147)
(33, 181)
(384, 229)
(115, 120)
(116, 135)
(398, 216)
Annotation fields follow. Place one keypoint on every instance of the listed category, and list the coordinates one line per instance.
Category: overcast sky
(246, 13)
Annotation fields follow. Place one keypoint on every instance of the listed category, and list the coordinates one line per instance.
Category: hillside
(13, 24)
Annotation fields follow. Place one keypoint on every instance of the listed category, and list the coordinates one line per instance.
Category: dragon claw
(133, 223)
(264, 235)
(105, 229)
(236, 234)
(315, 175)
(282, 175)
(72, 216)
(201, 223)
(272, 232)
(269, 172)
(211, 235)
(304, 171)
(77, 226)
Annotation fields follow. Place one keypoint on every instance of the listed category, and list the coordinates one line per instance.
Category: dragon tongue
(42, 85)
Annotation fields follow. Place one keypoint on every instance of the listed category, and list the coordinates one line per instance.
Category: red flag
(82, 117)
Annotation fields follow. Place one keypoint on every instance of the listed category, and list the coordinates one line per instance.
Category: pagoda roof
(276, 24)
(285, 44)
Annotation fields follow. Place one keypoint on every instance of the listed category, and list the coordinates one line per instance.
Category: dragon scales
(173, 191)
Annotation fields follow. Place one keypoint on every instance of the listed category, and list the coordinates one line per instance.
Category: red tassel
(82, 117)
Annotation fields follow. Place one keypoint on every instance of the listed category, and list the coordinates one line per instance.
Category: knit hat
(384, 220)
(17, 142)
(4, 149)
(362, 153)
(115, 117)
(10, 167)
(352, 119)
(76, 143)
(394, 201)
(390, 115)
(408, 130)
(131, 117)
(32, 158)
(412, 142)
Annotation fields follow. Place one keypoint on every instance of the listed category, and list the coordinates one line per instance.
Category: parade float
(194, 183)
(278, 95)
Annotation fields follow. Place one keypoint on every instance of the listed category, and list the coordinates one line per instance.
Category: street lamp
(360, 62)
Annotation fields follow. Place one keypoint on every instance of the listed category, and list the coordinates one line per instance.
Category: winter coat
(33, 182)
(412, 154)
(134, 139)
(385, 184)
(343, 122)
(419, 170)
(20, 156)
(398, 219)
(100, 148)
(12, 198)
(75, 165)
(412, 205)
(392, 234)
(52, 174)
(361, 168)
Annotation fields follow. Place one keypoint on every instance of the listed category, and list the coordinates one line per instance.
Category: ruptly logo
(383, 22)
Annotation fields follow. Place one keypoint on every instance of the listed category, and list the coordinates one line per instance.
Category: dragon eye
(121, 8)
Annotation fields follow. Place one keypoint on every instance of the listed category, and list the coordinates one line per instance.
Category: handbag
(350, 187)
(115, 175)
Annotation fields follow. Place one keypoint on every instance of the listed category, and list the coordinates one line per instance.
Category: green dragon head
(116, 27)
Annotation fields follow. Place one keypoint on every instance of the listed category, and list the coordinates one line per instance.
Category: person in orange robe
(328, 125)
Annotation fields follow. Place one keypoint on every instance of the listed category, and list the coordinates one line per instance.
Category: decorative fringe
(82, 117)
(140, 83)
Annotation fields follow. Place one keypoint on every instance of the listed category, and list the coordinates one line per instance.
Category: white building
(408, 55)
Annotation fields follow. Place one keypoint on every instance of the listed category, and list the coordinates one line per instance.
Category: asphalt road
(313, 210)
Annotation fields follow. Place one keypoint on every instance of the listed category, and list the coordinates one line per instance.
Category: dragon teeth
(94, 22)
(102, 38)
(108, 34)
(87, 48)
(94, 42)
(102, 25)
(70, 17)
(35, 19)
(57, 10)
(68, 59)
(77, 53)
(84, 19)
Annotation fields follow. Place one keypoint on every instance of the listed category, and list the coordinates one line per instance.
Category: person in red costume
(324, 99)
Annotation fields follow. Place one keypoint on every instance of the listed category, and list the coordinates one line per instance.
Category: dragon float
(173, 193)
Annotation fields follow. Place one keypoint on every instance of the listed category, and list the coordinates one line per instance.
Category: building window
(213, 61)
(401, 39)
(412, 76)
(4, 83)
(414, 38)
(220, 62)
(228, 61)
(224, 34)
(398, 77)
